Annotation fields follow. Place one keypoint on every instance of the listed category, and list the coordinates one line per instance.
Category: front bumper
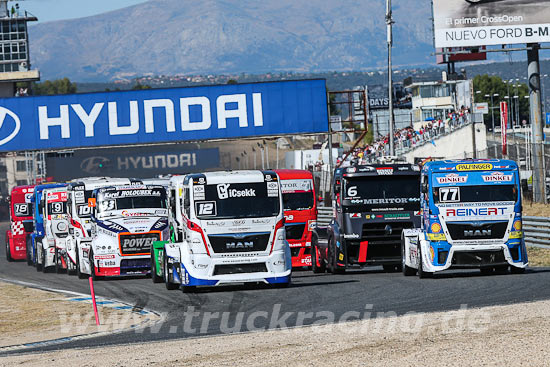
(18, 247)
(300, 254)
(113, 265)
(478, 256)
(197, 270)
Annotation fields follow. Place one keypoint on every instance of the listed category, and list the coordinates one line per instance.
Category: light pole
(389, 23)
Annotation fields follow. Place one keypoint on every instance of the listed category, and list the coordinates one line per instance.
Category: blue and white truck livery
(471, 218)
(227, 227)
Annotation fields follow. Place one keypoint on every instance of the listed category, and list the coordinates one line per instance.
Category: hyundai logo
(91, 165)
(3, 113)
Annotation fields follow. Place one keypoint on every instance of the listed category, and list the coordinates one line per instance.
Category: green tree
(486, 86)
(50, 88)
(139, 86)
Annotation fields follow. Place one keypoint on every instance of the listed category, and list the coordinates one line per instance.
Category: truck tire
(92, 268)
(333, 267)
(322, 267)
(79, 274)
(514, 270)
(57, 262)
(154, 276)
(8, 250)
(421, 273)
(38, 254)
(167, 278)
(71, 269)
(44, 267)
(407, 270)
(28, 243)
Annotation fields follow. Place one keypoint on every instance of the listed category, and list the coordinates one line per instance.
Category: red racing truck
(21, 223)
(300, 206)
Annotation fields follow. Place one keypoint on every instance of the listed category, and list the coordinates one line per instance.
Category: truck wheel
(44, 267)
(79, 274)
(421, 273)
(407, 270)
(28, 250)
(57, 261)
(167, 278)
(334, 269)
(154, 276)
(515, 270)
(317, 269)
(8, 251)
(92, 268)
(38, 255)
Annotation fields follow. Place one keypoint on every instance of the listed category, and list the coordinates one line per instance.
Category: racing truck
(226, 227)
(80, 190)
(21, 225)
(56, 228)
(125, 220)
(300, 209)
(41, 248)
(372, 204)
(471, 218)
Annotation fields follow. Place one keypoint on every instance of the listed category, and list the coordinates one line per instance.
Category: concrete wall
(457, 145)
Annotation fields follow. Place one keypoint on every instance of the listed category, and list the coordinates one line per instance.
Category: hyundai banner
(163, 115)
(469, 23)
(138, 162)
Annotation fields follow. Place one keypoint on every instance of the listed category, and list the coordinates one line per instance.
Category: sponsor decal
(126, 213)
(397, 216)
(389, 201)
(131, 193)
(498, 177)
(385, 171)
(478, 233)
(140, 242)
(356, 215)
(352, 236)
(239, 245)
(452, 178)
(13, 124)
(224, 192)
(103, 257)
(290, 186)
(289, 217)
(474, 167)
(56, 196)
(272, 189)
(466, 212)
(341, 257)
(436, 237)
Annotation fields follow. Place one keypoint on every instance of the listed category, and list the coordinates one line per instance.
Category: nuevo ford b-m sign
(163, 115)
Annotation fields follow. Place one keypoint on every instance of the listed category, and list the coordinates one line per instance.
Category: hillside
(230, 36)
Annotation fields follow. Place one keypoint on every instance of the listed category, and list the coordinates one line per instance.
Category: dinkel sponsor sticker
(498, 177)
(452, 178)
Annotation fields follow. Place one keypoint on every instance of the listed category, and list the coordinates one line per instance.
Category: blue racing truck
(471, 218)
(34, 247)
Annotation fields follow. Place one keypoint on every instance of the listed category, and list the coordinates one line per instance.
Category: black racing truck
(372, 205)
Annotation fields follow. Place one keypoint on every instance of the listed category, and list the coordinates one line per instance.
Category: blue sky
(48, 10)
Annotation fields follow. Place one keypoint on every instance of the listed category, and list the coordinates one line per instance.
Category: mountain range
(167, 37)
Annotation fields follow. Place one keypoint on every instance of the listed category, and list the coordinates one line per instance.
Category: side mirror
(92, 202)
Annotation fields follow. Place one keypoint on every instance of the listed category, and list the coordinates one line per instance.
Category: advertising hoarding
(163, 115)
(461, 23)
(138, 162)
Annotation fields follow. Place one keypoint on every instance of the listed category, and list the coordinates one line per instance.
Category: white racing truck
(80, 222)
(125, 220)
(56, 229)
(227, 227)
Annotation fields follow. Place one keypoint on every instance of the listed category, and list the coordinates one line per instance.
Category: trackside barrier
(537, 231)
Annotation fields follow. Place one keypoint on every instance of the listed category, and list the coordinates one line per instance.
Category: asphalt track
(357, 290)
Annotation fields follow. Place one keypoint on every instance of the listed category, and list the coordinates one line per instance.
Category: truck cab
(471, 218)
(41, 250)
(21, 223)
(226, 227)
(372, 205)
(125, 220)
(56, 228)
(300, 209)
(79, 192)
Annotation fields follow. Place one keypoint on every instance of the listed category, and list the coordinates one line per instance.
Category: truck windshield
(239, 200)
(131, 199)
(385, 193)
(298, 201)
(475, 194)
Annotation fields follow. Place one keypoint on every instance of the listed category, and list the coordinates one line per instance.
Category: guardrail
(537, 231)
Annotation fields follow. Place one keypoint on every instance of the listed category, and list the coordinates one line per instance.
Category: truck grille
(477, 230)
(137, 243)
(245, 242)
(295, 231)
(384, 233)
(240, 269)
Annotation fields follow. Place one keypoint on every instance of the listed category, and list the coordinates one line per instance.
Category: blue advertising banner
(163, 115)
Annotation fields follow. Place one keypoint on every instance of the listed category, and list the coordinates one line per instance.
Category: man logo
(92, 165)
(3, 112)
(239, 245)
(478, 233)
